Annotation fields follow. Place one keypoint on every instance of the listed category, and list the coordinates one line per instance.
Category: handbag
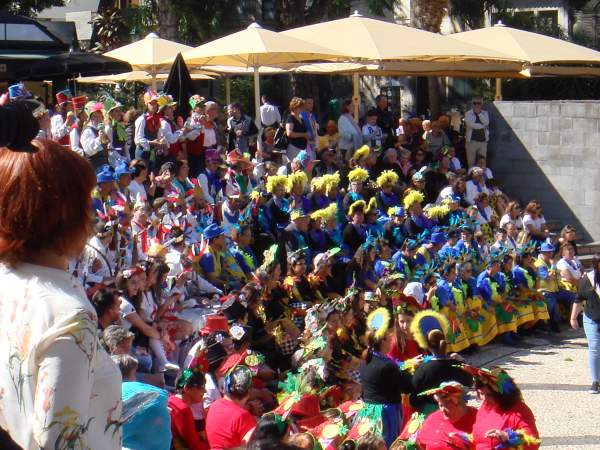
(280, 141)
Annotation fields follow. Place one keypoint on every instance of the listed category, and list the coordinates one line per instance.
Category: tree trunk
(167, 20)
(429, 15)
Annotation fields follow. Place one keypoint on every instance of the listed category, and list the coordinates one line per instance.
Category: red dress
(412, 350)
(435, 432)
(490, 417)
(183, 428)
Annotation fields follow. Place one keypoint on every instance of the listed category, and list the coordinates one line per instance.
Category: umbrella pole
(153, 78)
(498, 89)
(228, 90)
(257, 107)
(356, 95)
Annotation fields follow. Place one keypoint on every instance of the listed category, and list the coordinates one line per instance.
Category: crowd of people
(298, 284)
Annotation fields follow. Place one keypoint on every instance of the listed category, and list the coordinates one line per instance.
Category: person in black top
(588, 288)
(429, 330)
(383, 383)
(385, 121)
(295, 128)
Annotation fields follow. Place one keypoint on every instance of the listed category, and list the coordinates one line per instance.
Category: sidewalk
(552, 372)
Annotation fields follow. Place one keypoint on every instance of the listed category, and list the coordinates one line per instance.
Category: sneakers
(595, 388)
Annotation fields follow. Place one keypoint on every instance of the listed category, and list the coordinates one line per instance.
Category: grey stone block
(573, 109)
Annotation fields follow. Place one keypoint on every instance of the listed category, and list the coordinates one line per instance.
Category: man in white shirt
(61, 122)
(477, 122)
(269, 114)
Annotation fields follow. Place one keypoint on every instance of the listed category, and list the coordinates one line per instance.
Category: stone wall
(550, 151)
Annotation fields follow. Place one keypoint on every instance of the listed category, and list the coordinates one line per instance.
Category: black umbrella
(179, 84)
(73, 65)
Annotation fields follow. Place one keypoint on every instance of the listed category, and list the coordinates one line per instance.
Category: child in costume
(382, 382)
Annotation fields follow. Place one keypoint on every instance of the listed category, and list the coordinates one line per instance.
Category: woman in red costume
(448, 427)
(503, 421)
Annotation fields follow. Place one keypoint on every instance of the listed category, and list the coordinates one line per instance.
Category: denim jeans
(592, 333)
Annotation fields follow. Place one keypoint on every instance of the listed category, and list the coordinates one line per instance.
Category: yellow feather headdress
(437, 211)
(412, 198)
(326, 213)
(387, 177)
(358, 174)
(379, 321)
(372, 206)
(357, 205)
(317, 183)
(275, 180)
(295, 178)
(330, 180)
(361, 153)
(426, 321)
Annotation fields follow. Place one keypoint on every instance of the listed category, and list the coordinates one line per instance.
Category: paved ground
(553, 375)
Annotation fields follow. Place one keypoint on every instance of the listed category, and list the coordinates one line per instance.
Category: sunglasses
(477, 103)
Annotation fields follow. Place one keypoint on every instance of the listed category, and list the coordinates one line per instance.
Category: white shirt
(269, 114)
(75, 141)
(473, 190)
(170, 136)
(58, 127)
(137, 191)
(537, 223)
(372, 133)
(573, 266)
(90, 142)
(55, 376)
(507, 219)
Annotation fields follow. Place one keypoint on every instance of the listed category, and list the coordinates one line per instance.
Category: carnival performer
(382, 382)
(503, 420)
(63, 118)
(147, 128)
(492, 285)
(449, 427)
(81, 118)
(480, 319)
(94, 139)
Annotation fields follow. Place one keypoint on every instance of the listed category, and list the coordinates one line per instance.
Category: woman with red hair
(59, 387)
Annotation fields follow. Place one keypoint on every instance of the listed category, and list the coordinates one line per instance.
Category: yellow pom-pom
(359, 174)
(412, 198)
(379, 321)
(317, 183)
(387, 177)
(361, 153)
(331, 180)
(372, 206)
(437, 212)
(275, 180)
(359, 205)
(296, 178)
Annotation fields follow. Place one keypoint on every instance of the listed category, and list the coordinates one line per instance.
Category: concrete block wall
(550, 150)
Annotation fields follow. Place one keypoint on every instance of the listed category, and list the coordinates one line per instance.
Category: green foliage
(472, 12)
(110, 27)
(28, 8)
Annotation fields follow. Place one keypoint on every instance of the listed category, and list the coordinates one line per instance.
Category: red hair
(44, 201)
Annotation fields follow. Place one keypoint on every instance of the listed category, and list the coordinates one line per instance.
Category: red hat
(233, 360)
(79, 102)
(308, 406)
(215, 323)
(235, 156)
(63, 97)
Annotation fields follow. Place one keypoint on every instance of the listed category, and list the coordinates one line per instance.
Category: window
(23, 32)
